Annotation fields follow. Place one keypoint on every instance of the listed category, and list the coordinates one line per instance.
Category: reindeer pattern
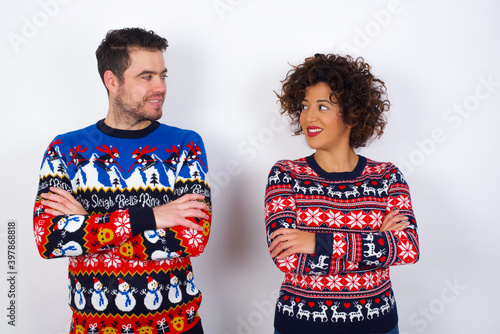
(335, 311)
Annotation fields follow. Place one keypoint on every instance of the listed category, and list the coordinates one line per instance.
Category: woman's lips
(313, 131)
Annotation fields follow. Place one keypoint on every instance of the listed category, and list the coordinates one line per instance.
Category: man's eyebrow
(151, 72)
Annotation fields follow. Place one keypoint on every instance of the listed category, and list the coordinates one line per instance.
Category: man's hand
(61, 203)
(392, 222)
(291, 241)
(176, 212)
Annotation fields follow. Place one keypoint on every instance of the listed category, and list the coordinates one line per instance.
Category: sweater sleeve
(280, 211)
(74, 235)
(357, 250)
(191, 177)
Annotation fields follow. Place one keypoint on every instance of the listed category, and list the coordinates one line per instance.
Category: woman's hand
(61, 203)
(291, 241)
(393, 222)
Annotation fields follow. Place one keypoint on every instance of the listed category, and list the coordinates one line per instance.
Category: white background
(225, 59)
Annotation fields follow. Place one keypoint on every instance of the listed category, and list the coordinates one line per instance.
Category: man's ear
(111, 81)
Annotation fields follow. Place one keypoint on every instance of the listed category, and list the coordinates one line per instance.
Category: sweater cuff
(141, 219)
(324, 244)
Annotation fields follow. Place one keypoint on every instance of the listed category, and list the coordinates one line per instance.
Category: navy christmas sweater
(125, 276)
(344, 287)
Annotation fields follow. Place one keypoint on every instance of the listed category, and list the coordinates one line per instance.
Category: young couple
(127, 200)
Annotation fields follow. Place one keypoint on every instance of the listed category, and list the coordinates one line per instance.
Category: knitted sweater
(344, 287)
(125, 276)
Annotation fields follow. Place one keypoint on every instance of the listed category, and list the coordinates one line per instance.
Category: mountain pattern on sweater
(125, 276)
(344, 287)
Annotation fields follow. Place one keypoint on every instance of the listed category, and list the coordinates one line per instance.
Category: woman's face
(321, 120)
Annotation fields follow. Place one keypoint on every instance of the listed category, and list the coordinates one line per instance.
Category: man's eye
(147, 77)
(164, 76)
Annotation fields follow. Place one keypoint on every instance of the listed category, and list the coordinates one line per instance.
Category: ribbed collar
(129, 134)
(356, 172)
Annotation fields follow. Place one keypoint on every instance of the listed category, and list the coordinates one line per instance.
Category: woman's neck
(338, 161)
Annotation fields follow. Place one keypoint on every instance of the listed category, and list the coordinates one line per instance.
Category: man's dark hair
(113, 52)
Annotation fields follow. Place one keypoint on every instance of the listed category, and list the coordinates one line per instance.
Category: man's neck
(125, 123)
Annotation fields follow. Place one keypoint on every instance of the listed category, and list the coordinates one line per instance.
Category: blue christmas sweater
(125, 276)
(344, 287)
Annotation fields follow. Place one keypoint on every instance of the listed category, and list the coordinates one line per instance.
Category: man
(127, 200)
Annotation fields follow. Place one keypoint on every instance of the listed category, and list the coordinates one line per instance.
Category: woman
(336, 221)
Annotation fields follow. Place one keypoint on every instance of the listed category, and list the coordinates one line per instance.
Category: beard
(136, 111)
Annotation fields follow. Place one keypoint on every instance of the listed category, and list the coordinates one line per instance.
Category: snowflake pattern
(309, 171)
(91, 260)
(406, 250)
(288, 263)
(278, 204)
(339, 247)
(352, 282)
(403, 202)
(39, 233)
(369, 280)
(304, 281)
(334, 282)
(351, 265)
(267, 211)
(316, 282)
(294, 278)
(137, 264)
(334, 218)
(112, 260)
(376, 219)
(195, 238)
(313, 216)
(356, 220)
(122, 224)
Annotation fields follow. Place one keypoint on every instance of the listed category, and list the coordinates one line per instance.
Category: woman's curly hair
(362, 97)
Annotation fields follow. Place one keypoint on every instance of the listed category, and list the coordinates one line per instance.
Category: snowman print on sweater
(99, 299)
(69, 224)
(125, 300)
(174, 293)
(79, 297)
(153, 298)
(190, 287)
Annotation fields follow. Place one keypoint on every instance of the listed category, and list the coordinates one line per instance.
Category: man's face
(141, 94)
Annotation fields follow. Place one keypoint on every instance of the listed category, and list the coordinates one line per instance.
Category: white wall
(438, 59)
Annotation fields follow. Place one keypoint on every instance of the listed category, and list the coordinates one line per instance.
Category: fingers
(291, 241)
(393, 222)
(54, 212)
(189, 197)
(62, 192)
(189, 224)
(195, 213)
(191, 206)
(62, 202)
(176, 212)
(195, 205)
(55, 207)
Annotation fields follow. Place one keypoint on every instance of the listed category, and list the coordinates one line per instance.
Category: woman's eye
(321, 107)
(303, 107)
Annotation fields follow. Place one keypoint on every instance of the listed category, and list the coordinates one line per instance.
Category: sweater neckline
(128, 134)
(335, 176)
